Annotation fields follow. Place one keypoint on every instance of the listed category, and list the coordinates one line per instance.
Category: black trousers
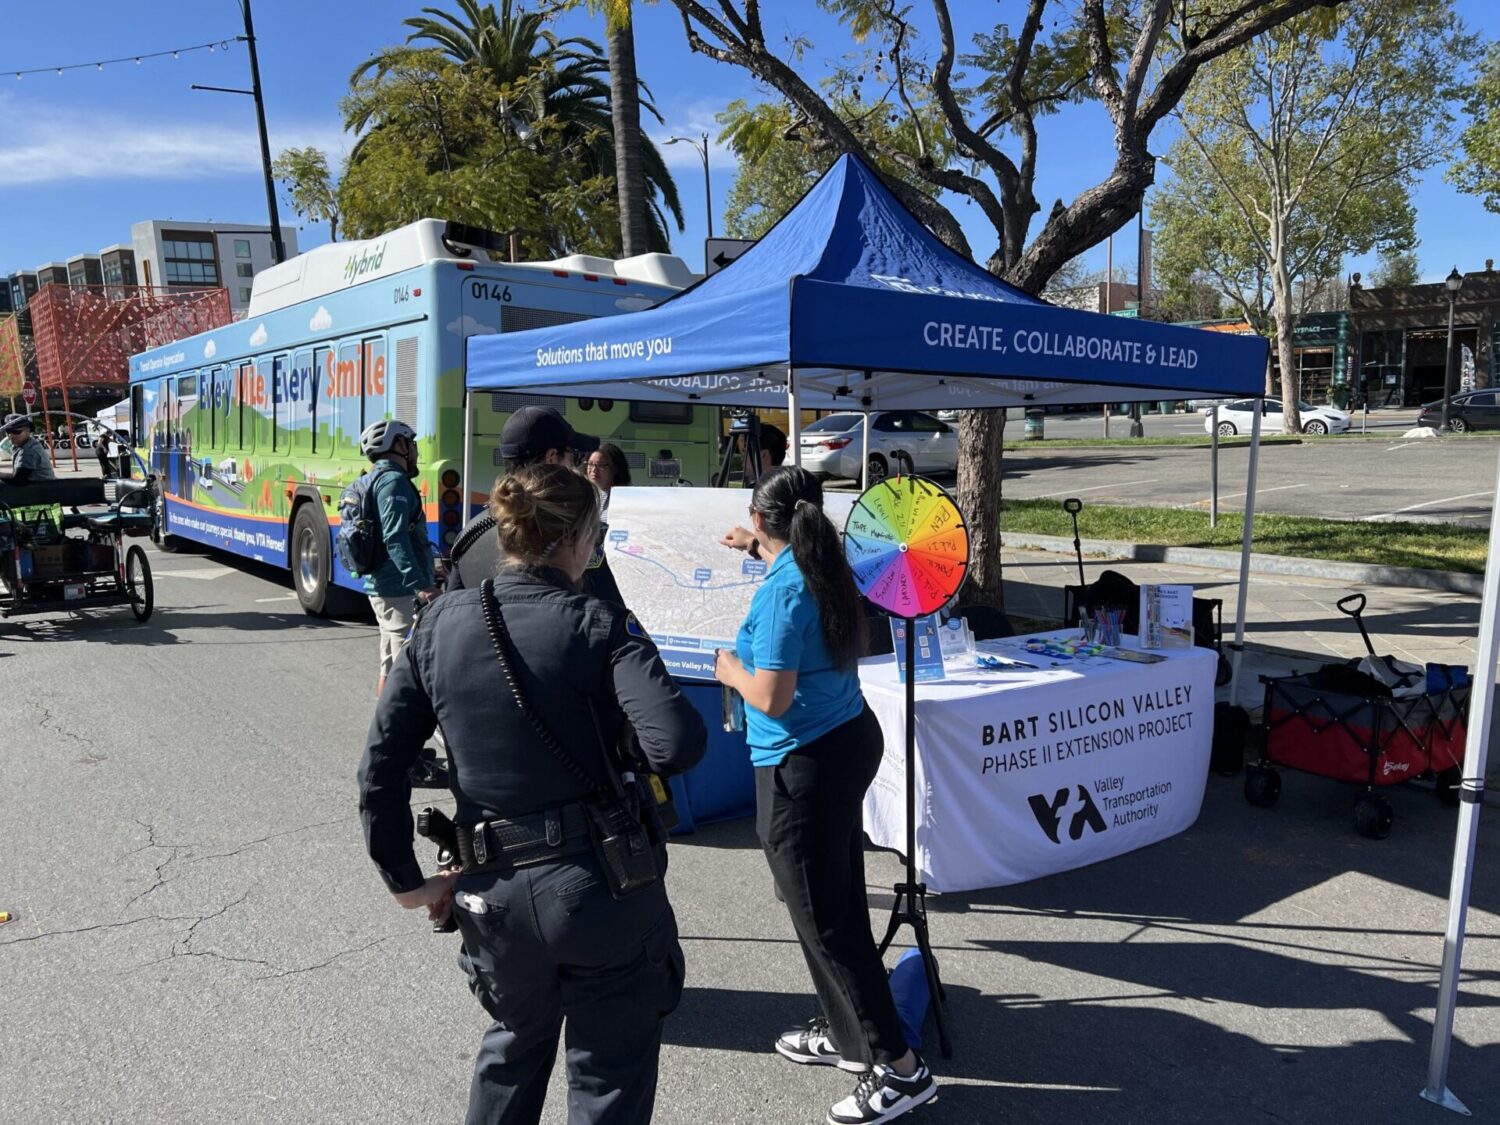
(548, 942)
(808, 814)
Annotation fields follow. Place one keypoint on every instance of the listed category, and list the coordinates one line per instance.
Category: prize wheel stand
(909, 550)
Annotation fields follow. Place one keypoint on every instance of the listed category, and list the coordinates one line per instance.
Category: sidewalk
(1291, 623)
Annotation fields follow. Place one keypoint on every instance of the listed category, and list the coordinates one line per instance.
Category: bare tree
(1134, 57)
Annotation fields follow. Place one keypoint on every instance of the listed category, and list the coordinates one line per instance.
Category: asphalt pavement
(199, 936)
(1376, 476)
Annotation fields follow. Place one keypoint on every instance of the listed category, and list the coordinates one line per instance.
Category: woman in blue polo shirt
(816, 746)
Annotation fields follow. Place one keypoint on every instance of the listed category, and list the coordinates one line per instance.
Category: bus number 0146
(485, 291)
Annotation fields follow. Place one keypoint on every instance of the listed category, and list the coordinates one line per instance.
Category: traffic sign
(719, 252)
(28, 392)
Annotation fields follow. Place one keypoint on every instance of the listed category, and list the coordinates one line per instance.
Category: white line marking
(204, 573)
(277, 598)
(1258, 491)
(1427, 504)
(1092, 488)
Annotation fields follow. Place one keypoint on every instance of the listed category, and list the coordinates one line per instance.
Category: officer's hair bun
(539, 508)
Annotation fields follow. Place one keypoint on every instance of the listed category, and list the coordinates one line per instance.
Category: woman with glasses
(816, 746)
(544, 935)
(607, 467)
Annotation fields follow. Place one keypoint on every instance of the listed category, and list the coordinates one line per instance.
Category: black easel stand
(910, 906)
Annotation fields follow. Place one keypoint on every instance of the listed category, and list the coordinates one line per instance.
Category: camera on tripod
(744, 437)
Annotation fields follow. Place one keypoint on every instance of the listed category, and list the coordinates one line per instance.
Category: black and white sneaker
(810, 1045)
(884, 1095)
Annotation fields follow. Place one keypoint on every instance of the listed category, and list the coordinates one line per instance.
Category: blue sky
(84, 155)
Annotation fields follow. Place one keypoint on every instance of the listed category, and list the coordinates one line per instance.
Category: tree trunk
(981, 437)
(625, 113)
(1291, 390)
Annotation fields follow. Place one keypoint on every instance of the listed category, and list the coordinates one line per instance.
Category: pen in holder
(1089, 624)
(733, 705)
(1109, 622)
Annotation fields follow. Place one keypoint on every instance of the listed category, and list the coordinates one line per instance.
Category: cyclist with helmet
(404, 577)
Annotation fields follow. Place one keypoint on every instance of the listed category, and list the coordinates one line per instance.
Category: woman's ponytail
(790, 500)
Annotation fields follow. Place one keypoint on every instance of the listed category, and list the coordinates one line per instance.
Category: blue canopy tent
(849, 303)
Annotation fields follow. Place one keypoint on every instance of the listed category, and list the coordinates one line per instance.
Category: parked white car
(831, 445)
(1238, 416)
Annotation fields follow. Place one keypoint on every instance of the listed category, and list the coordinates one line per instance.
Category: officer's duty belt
(523, 840)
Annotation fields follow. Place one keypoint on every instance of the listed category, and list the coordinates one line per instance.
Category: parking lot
(1375, 477)
(200, 938)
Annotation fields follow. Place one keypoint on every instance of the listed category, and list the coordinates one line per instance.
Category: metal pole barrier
(1213, 467)
(1471, 796)
(1244, 592)
(1106, 419)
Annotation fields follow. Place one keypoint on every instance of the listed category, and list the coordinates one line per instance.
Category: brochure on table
(1166, 616)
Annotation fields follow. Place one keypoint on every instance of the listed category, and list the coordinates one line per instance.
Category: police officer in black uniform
(544, 936)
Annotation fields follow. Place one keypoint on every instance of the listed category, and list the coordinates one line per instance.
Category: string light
(176, 53)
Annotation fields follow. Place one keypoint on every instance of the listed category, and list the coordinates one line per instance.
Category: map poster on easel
(1166, 617)
(688, 591)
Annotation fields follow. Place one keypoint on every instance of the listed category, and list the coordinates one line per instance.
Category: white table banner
(1024, 774)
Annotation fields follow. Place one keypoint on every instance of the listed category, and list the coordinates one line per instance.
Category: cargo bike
(63, 546)
(1373, 722)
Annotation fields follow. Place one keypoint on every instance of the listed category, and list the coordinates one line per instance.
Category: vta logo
(1050, 816)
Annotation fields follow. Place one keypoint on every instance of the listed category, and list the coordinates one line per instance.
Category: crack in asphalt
(160, 873)
(325, 962)
(46, 723)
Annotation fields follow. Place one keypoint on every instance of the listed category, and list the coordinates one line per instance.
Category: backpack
(358, 542)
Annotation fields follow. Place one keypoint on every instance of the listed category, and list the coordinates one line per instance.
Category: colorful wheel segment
(907, 545)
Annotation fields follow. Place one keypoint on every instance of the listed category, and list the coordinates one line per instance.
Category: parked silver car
(831, 445)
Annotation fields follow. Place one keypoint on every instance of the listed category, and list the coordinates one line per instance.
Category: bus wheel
(169, 543)
(311, 558)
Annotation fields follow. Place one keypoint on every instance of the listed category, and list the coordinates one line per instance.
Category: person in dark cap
(29, 463)
(533, 435)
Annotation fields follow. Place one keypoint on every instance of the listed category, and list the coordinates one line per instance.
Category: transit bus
(253, 428)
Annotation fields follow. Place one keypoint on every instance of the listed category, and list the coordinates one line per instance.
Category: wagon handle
(1353, 605)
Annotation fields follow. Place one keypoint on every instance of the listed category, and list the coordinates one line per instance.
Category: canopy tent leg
(793, 417)
(1470, 794)
(1213, 468)
(1244, 591)
(468, 449)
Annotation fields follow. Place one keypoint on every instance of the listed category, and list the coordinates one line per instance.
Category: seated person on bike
(29, 462)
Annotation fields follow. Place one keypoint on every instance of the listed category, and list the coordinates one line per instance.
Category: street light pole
(278, 247)
(701, 147)
(1454, 282)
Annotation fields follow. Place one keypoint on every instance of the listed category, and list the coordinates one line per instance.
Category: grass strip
(1425, 546)
(1130, 443)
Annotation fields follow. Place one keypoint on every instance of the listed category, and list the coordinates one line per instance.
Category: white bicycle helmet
(380, 436)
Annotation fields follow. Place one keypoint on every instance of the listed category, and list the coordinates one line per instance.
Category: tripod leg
(897, 917)
(935, 986)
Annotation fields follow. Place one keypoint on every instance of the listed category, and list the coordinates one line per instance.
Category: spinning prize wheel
(907, 545)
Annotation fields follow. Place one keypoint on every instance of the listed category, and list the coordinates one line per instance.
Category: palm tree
(516, 48)
(625, 106)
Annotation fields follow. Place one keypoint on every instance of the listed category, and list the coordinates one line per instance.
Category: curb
(1363, 574)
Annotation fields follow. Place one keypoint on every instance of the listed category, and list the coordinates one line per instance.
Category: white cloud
(46, 144)
(210, 349)
(466, 326)
(322, 319)
(259, 336)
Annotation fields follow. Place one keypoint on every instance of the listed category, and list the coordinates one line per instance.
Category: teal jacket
(407, 566)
